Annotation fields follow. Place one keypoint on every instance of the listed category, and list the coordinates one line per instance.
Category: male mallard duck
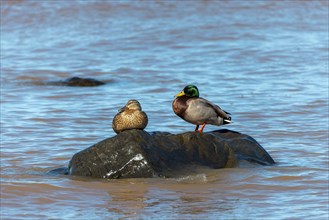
(130, 116)
(199, 111)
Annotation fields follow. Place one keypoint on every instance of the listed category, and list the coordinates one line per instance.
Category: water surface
(265, 62)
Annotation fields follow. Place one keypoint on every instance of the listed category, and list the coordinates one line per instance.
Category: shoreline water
(265, 62)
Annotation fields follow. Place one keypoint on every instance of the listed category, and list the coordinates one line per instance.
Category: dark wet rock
(59, 171)
(139, 154)
(76, 81)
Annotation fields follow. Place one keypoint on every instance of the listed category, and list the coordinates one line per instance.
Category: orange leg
(196, 128)
(203, 125)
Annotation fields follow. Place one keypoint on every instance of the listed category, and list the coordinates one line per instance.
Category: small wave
(193, 178)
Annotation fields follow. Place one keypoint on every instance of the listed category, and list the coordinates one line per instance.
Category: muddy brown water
(265, 62)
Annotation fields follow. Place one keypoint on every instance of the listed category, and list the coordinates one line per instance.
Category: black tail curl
(227, 120)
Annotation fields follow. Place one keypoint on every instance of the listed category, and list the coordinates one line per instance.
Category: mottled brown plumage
(129, 117)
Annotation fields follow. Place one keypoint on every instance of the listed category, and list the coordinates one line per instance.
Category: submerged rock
(139, 154)
(76, 81)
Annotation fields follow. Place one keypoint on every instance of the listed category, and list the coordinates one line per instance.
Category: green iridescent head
(190, 91)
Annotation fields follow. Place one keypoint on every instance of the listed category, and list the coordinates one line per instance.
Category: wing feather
(220, 112)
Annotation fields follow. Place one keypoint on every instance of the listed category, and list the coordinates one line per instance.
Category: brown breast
(179, 105)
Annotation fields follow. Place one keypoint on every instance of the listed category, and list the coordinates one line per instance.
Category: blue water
(265, 62)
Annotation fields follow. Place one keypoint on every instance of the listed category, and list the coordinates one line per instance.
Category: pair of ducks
(187, 105)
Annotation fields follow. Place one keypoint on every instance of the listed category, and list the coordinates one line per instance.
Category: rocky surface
(76, 81)
(139, 154)
(73, 81)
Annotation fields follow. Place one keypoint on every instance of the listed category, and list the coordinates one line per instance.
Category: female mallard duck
(130, 116)
(199, 111)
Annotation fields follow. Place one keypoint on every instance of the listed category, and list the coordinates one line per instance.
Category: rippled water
(265, 62)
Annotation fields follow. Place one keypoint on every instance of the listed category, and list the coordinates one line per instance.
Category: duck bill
(180, 94)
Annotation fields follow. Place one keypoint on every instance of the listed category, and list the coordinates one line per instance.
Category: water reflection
(128, 201)
(171, 200)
